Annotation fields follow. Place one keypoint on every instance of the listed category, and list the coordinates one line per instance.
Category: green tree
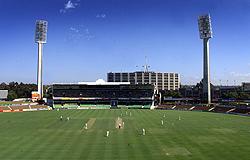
(174, 94)
(243, 96)
(12, 95)
(230, 95)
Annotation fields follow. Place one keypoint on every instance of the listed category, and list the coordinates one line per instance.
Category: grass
(198, 135)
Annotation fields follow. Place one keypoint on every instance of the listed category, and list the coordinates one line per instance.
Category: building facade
(246, 86)
(3, 94)
(162, 80)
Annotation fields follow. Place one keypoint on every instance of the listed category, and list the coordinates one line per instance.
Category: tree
(17, 90)
(243, 96)
(229, 95)
(12, 95)
(171, 93)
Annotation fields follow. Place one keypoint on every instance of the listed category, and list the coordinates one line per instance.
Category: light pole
(40, 39)
(205, 30)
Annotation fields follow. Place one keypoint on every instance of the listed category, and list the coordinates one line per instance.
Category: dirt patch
(90, 123)
(118, 123)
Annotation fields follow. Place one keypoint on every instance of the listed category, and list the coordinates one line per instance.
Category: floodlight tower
(205, 30)
(146, 66)
(40, 39)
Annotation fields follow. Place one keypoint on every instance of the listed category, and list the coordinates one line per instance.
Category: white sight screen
(41, 31)
(205, 28)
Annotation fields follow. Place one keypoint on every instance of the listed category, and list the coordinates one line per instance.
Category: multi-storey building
(162, 80)
(3, 94)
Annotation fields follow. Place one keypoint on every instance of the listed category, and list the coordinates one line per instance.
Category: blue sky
(88, 38)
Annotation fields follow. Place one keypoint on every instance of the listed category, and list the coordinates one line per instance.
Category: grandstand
(217, 108)
(13, 106)
(4, 108)
(19, 107)
(102, 95)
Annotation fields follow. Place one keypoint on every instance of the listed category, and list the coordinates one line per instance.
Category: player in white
(61, 118)
(107, 134)
(86, 125)
(68, 118)
(162, 122)
(143, 132)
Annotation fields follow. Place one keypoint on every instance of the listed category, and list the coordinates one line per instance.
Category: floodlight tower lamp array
(205, 30)
(40, 39)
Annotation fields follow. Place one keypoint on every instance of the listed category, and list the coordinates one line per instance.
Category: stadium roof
(98, 82)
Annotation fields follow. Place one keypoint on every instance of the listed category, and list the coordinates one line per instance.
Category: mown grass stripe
(198, 135)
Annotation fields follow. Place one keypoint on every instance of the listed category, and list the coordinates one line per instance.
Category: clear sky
(88, 38)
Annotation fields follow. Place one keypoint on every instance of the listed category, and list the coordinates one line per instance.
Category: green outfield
(197, 135)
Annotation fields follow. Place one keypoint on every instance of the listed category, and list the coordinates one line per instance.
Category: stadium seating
(241, 111)
(4, 108)
(201, 108)
(222, 109)
(94, 96)
(175, 107)
(103, 91)
(39, 107)
(19, 107)
(183, 107)
(22, 107)
(165, 106)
